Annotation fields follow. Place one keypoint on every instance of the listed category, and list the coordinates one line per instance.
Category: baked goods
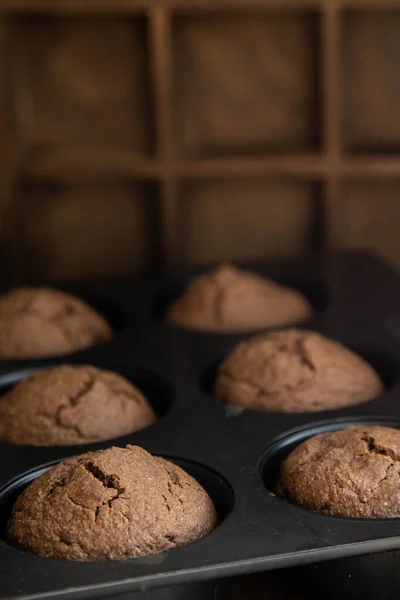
(37, 322)
(231, 300)
(111, 504)
(295, 370)
(67, 405)
(353, 472)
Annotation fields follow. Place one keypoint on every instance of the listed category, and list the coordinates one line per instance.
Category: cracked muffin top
(68, 405)
(111, 504)
(295, 370)
(351, 473)
(37, 322)
(230, 300)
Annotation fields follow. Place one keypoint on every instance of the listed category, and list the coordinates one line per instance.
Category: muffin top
(111, 504)
(229, 299)
(37, 322)
(353, 472)
(295, 370)
(67, 405)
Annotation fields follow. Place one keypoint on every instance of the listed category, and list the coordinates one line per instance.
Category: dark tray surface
(362, 296)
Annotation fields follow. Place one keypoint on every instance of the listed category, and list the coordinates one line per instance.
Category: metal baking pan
(234, 456)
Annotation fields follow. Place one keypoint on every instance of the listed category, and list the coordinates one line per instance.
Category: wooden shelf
(371, 167)
(66, 7)
(376, 5)
(135, 6)
(195, 104)
(81, 168)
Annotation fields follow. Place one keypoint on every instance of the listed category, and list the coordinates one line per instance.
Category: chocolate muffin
(353, 473)
(111, 504)
(295, 371)
(231, 300)
(37, 322)
(68, 405)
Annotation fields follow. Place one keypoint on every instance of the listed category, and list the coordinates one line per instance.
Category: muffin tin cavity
(157, 390)
(217, 487)
(80, 404)
(107, 308)
(315, 290)
(280, 448)
(10, 492)
(383, 362)
(209, 374)
(49, 323)
(167, 294)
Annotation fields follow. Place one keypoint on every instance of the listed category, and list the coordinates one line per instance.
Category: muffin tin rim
(23, 480)
(299, 435)
(209, 371)
(173, 290)
(165, 389)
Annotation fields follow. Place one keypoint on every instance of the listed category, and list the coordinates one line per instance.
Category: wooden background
(143, 134)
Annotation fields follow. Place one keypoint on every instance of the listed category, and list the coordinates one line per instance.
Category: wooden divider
(198, 101)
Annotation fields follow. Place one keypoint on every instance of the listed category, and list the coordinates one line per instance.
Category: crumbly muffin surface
(230, 300)
(111, 504)
(67, 405)
(353, 472)
(39, 322)
(295, 370)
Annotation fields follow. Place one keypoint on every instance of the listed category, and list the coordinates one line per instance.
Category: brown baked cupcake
(295, 370)
(37, 322)
(68, 405)
(112, 504)
(230, 300)
(353, 473)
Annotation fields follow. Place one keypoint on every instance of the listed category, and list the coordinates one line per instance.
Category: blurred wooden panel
(368, 216)
(245, 83)
(371, 67)
(248, 90)
(7, 129)
(246, 219)
(84, 83)
(88, 231)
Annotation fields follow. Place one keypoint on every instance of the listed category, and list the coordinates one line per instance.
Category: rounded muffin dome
(67, 405)
(352, 473)
(230, 300)
(111, 504)
(295, 370)
(39, 322)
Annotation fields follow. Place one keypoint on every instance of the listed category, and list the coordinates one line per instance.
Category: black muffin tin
(234, 455)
